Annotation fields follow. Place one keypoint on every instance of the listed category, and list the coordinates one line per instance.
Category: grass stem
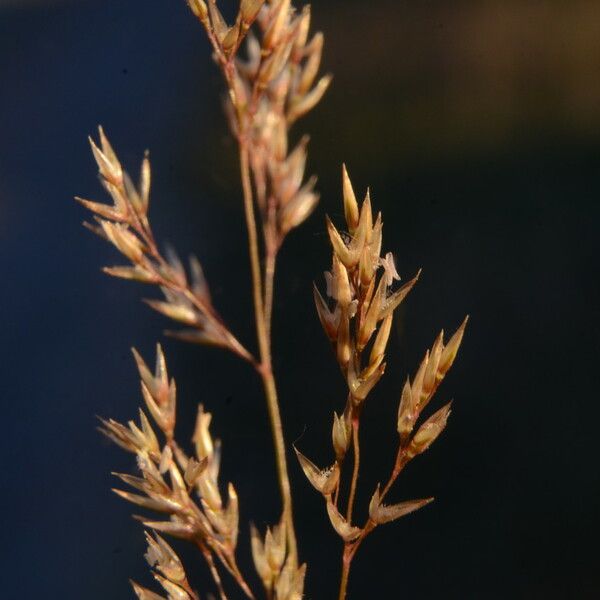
(265, 368)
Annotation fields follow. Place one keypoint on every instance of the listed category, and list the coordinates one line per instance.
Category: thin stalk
(213, 570)
(350, 549)
(265, 368)
(346, 563)
(355, 470)
(270, 260)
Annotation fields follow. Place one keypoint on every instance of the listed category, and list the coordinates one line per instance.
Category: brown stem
(270, 260)
(213, 569)
(401, 461)
(346, 564)
(265, 369)
(350, 549)
(355, 470)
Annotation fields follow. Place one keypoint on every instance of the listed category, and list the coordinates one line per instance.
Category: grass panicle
(270, 65)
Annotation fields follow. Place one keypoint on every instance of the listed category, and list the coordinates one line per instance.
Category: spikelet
(167, 570)
(380, 513)
(275, 567)
(429, 376)
(324, 481)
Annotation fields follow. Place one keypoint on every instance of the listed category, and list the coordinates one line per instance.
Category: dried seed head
(193, 470)
(174, 591)
(217, 21)
(249, 9)
(429, 431)
(309, 73)
(346, 531)
(392, 302)
(341, 284)
(364, 387)
(329, 320)
(136, 273)
(209, 492)
(199, 8)
(344, 348)
(232, 514)
(406, 412)
(230, 39)
(275, 547)
(339, 247)
(125, 241)
(107, 161)
(451, 350)
(380, 344)
(305, 104)
(161, 556)
(259, 556)
(133, 439)
(279, 17)
(202, 437)
(323, 480)
(145, 182)
(299, 208)
(290, 583)
(303, 26)
(380, 513)
(350, 203)
(430, 377)
(340, 435)
(166, 458)
(175, 527)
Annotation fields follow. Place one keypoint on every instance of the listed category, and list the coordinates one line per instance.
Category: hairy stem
(265, 369)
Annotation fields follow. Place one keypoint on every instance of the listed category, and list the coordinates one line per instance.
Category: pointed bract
(347, 532)
(380, 513)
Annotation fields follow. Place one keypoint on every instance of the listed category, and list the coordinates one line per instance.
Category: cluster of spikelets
(126, 226)
(268, 91)
(357, 318)
(185, 488)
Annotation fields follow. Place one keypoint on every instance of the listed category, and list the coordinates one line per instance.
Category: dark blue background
(496, 200)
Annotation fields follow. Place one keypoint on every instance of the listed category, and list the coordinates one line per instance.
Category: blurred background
(477, 126)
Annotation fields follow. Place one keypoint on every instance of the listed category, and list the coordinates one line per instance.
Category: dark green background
(477, 126)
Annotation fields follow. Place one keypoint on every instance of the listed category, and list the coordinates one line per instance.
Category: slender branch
(350, 549)
(401, 462)
(253, 251)
(346, 563)
(265, 369)
(270, 260)
(348, 553)
(213, 569)
(355, 470)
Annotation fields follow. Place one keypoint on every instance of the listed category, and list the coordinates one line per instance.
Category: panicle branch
(357, 314)
(268, 92)
(126, 226)
(184, 488)
(281, 577)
